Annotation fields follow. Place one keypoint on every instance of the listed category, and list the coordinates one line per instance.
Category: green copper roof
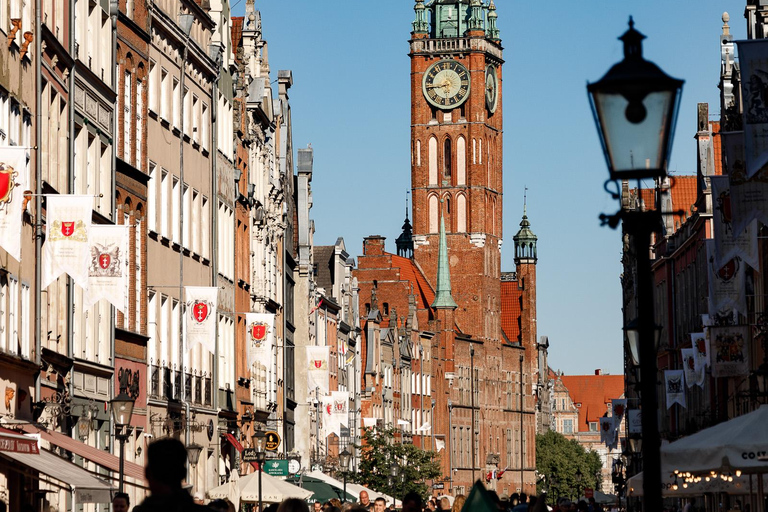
(443, 298)
(525, 240)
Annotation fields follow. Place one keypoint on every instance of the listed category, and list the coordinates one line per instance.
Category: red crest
(259, 331)
(105, 260)
(318, 363)
(691, 364)
(200, 311)
(606, 426)
(67, 228)
(701, 345)
(339, 406)
(725, 206)
(328, 408)
(6, 183)
(618, 410)
(728, 270)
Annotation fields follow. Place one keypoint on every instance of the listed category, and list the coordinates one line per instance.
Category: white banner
(693, 376)
(726, 284)
(108, 270)
(634, 421)
(700, 343)
(261, 337)
(607, 432)
(729, 243)
(749, 196)
(317, 369)
(674, 384)
(618, 408)
(753, 59)
(66, 249)
(335, 412)
(200, 317)
(14, 180)
(439, 444)
(729, 350)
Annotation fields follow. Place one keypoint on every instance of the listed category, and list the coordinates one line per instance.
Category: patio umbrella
(737, 444)
(740, 485)
(352, 488)
(273, 490)
(321, 491)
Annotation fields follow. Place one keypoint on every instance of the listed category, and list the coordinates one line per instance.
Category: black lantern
(193, 453)
(122, 410)
(632, 332)
(635, 107)
(344, 463)
(261, 457)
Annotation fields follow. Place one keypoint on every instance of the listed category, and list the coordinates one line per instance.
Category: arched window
(461, 214)
(461, 161)
(433, 214)
(447, 158)
(418, 153)
(432, 161)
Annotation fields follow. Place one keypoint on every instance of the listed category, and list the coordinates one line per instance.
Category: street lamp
(261, 457)
(193, 456)
(635, 107)
(579, 477)
(394, 471)
(344, 462)
(122, 410)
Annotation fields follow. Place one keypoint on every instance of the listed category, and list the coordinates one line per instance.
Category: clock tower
(456, 144)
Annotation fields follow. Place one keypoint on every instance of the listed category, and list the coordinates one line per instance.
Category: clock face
(294, 466)
(491, 89)
(446, 84)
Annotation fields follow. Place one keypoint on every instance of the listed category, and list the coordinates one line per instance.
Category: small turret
(493, 31)
(420, 25)
(476, 17)
(405, 241)
(525, 241)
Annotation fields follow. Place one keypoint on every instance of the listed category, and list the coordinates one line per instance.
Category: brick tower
(456, 142)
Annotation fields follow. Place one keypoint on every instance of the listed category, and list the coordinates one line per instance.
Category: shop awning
(11, 441)
(87, 488)
(100, 457)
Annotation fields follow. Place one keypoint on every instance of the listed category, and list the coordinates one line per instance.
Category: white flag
(729, 243)
(693, 376)
(753, 60)
(607, 432)
(108, 271)
(14, 180)
(200, 317)
(618, 408)
(260, 336)
(700, 343)
(439, 444)
(317, 369)
(674, 383)
(729, 351)
(726, 284)
(328, 425)
(634, 421)
(340, 410)
(66, 249)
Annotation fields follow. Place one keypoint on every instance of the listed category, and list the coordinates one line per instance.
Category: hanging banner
(200, 317)
(726, 284)
(634, 421)
(693, 376)
(618, 408)
(674, 384)
(340, 409)
(729, 350)
(108, 270)
(317, 369)
(729, 243)
(14, 180)
(607, 432)
(260, 336)
(333, 405)
(66, 249)
(700, 344)
(753, 60)
(749, 196)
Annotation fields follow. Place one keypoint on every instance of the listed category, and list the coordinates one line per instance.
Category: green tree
(380, 450)
(559, 460)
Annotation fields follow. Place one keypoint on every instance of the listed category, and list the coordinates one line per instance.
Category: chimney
(373, 245)
(598, 372)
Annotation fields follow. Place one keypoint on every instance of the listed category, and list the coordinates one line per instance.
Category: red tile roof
(685, 191)
(511, 309)
(236, 32)
(593, 392)
(409, 271)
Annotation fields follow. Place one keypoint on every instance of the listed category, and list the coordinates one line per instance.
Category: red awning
(234, 442)
(94, 455)
(11, 441)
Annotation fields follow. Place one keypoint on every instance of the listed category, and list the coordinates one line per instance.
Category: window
(187, 113)
(164, 92)
(461, 161)
(206, 122)
(138, 239)
(593, 426)
(139, 123)
(432, 161)
(154, 70)
(176, 211)
(197, 225)
(567, 426)
(447, 158)
(206, 215)
(195, 119)
(14, 128)
(176, 104)
(165, 204)
(127, 115)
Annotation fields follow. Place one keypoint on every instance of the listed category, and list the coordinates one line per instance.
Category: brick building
(443, 295)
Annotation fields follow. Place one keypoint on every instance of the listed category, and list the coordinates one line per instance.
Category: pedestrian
(219, 506)
(522, 505)
(365, 500)
(458, 503)
(379, 505)
(317, 506)
(293, 505)
(412, 502)
(121, 502)
(166, 469)
(445, 504)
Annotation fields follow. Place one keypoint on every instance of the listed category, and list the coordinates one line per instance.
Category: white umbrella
(735, 444)
(273, 490)
(352, 488)
(740, 485)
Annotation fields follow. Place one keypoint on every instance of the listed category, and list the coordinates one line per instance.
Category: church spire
(420, 24)
(525, 240)
(405, 241)
(476, 17)
(443, 298)
(493, 30)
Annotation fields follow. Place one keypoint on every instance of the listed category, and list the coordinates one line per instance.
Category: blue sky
(351, 100)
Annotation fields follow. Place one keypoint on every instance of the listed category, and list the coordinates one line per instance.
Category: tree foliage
(558, 461)
(380, 450)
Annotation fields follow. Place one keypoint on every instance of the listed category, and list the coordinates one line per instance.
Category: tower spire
(420, 24)
(525, 241)
(493, 31)
(405, 241)
(443, 298)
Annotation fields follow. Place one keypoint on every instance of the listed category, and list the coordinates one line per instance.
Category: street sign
(438, 485)
(276, 467)
(249, 455)
(589, 493)
(272, 441)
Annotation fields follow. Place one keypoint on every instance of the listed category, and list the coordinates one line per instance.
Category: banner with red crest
(618, 408)
(730, 243)
(317, 369)
(753, 60)
(14, 180)
(607, 432)
(674, 384)
(729, 350)
(260, 337)
(726, 284)
(67, 226)
(108, 270)
(749, 196)
(335, 412)
(200, 317)
(700, 343)
(693, 376)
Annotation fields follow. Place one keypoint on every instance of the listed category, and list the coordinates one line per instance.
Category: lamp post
(635, 108)
(344, 463)
(122, 410)
(193, 456)
(394, 471)
(261, 457)
(472, 401)
(579, 477)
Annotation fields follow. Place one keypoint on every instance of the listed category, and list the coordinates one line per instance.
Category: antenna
(525, 200)
(407, 192)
